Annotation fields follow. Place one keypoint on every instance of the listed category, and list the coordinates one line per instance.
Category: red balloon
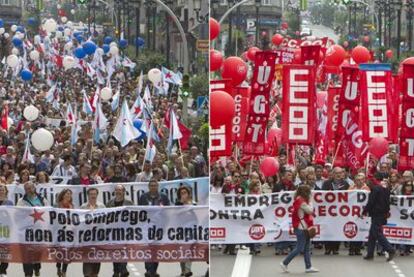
(277, 39)
(251, 53)
(378, 147)
(409, 60)
(335, 55)
(320, 98)
(235, 69)
(389, 54)
(366, 39)
(285, 25)
(275, 134)
(269, 166)
(214, 28)
(216, 59)
(222, 108)
(360, 54)
(346, 44)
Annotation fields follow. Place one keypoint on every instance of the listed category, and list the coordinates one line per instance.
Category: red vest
(308, 218)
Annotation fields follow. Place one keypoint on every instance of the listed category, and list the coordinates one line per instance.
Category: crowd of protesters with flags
(76, 108)
(308, 112)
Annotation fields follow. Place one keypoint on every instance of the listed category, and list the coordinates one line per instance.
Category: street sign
(203, 45)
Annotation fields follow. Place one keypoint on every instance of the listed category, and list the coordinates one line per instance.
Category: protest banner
(267, 217)
(163, 234)
(199, 187)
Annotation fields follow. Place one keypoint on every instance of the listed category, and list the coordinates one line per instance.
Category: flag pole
(336, 153)
(146, 148)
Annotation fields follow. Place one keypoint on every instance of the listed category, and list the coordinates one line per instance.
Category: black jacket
(160, 200)
(378, 202)
(328, 185)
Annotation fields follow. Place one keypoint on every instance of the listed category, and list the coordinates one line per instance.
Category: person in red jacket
(302, 219)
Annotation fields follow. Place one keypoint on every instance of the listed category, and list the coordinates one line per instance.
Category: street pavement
(321, 31)
(137, 269)
(266, 264)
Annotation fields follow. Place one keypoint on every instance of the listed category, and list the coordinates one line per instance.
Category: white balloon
(31, 113)
(6, 35)
(37, 39)
(12, 61)
(42, 139)
(15, 51)
(69, 24)
(2, 30)
(106, 94)
(114, 50)
(68, 62)
(64, 19)
(50, 25)
(154, 75)
(100, 51)
(59, 34)
(13, 28)
(72, 11)
(34, 55)
(58, 6)
(68, 45)
(112, 44)
(67, 32)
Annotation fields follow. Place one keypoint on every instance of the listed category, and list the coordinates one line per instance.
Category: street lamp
(257, 3)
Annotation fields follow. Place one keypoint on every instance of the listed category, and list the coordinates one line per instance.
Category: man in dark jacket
(378, 208)
(337, 182)
(84, 177)
(153, 198)
(120, 269)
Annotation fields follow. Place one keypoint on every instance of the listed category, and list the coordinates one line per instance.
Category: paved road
(137, 269)
(323, 31)
(266, 264)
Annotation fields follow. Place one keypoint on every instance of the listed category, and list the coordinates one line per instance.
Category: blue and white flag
(86, 105)
(115, 100)
(124, 130)
(100, 123)
(171, 77)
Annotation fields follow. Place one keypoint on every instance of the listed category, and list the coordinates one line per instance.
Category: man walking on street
(120, 269)
(378, 208)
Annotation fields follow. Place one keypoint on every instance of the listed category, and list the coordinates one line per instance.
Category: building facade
(11, 11)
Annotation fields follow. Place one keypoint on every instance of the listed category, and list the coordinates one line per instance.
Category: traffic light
(185, 88)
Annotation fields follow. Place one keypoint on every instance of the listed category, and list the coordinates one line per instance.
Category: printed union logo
(217, 233)
(350, 230)
(397, 232)
(257, 231)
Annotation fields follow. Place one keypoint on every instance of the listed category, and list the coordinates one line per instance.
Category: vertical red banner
(223, 85)
(299, 104)
(241, 100)
(406, 161)
(376, 101)
(333, 115)
(259, 108)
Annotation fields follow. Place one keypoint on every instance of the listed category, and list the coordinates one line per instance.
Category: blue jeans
(303, 245)
(375, 234)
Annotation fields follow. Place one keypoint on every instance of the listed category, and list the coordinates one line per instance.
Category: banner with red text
(223, 85)
(259, 109)
(241, 100)
(376, 100)
(299, 101)
(123, 234)
(220, 140)
(267, 217)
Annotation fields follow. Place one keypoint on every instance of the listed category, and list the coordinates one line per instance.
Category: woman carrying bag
(302, 222)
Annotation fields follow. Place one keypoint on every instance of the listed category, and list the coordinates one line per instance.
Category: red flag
(259, 109)
(376, 100)
(5, 117)
(310, 54)
(406, 161)
(299, 112)
(241, 101)
(332, 114)
(183, 129)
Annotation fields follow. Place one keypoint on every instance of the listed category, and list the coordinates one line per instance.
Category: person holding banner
(92, 269)
(120, 269)
(378, 208)
(153, 198)
(64, 201)
(184, 197)
(302, 219)
(31, 199)
(4, 202)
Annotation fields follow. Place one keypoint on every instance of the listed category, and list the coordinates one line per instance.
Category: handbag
(310, 232)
